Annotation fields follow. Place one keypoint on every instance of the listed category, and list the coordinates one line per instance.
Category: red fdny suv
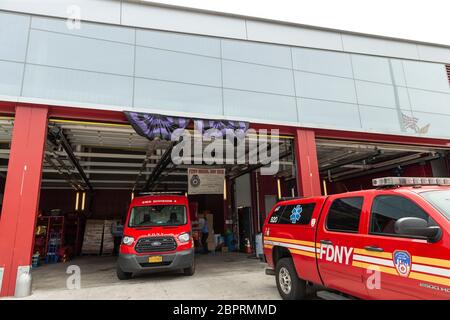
(392, 242)
(156, 236)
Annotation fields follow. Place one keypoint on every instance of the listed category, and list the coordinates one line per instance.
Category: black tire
(190, 270)
(285, 274)
(123, 275)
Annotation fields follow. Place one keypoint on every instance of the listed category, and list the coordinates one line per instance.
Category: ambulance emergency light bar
(410, 181)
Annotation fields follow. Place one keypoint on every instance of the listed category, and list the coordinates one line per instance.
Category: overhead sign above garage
(206, 181)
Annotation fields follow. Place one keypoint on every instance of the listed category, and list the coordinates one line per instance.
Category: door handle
(374, 248)
(327, 242)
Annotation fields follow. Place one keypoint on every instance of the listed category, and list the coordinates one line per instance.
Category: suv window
(344, 214)
(275, 217)
(386, 210)
(293, 214)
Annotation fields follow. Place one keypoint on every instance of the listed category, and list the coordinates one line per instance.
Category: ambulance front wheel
(289, 285)
(189, 271)
(121, 275)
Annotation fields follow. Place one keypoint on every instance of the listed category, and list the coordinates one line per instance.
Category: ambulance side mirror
(410, 226)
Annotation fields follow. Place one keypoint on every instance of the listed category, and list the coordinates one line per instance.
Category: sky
(420, 20)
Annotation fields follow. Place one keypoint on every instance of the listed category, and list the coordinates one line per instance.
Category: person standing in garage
(203, 225)
(117, 233)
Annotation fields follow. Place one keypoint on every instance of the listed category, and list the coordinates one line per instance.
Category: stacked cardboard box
(108, 240)
(93, 235)
(98, 238)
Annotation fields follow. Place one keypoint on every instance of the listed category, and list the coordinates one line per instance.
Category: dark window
(386, 210)
(344, 214)
(293, 214)
(157, 215)
(275, 217)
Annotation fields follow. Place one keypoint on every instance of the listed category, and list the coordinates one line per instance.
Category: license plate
(155, 259)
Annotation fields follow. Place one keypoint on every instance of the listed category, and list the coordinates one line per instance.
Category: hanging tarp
(222, 126)
(155, 126)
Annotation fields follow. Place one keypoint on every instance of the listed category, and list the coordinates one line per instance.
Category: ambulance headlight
(127, 240)
(184, 237)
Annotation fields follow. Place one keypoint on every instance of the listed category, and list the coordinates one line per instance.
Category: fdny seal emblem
(402, 262)
(296, 214)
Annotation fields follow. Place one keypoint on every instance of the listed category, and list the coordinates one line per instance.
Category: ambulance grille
(155, 244)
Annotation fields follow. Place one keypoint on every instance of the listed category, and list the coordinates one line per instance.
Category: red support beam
(21, 198)
(308, 179)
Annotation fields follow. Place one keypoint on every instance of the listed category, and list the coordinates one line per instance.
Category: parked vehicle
(157, 236)
(392, 242)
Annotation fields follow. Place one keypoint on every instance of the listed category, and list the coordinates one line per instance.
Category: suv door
(409, 267)
(292, 226)
(337, 236)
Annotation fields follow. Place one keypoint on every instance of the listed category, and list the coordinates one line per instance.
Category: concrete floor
(228, 276)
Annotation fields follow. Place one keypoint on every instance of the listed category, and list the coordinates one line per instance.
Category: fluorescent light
(279, 188)
(224, 189)
(83, 201)
(77, 198)
(325, 191)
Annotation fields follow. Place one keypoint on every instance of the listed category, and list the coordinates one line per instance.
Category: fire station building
(349, 107)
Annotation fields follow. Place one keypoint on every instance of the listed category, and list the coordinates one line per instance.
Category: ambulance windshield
(157, 215)
(440, 200)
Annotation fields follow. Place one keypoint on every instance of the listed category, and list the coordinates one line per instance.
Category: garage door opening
(93, 170)
(350, 166)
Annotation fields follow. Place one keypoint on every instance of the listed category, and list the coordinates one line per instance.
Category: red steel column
(308, 179)
(21, 198)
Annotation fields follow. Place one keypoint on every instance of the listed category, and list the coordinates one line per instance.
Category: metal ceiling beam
(349, 161)
(106, 155)
(68, 178)
(254, 167)
(56, 135)
(384, 168)
(95, 171)
(115, 164)
(373, 145)
(161, 165)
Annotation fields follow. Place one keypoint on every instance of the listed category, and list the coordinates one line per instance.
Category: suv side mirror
(410, 226)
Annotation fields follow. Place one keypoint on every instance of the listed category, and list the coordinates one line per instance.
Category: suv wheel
(123, 275)
(289, 285)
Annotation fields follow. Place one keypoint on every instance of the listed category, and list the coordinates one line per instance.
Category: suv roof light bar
(410, 181)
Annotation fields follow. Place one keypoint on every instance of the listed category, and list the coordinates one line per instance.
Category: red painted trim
(22, 187)
(85, 114)
(283, 130)
(88, 115)
(7, 108)
(308, 179)
(381, 138)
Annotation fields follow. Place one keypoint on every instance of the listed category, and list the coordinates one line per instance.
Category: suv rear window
(293, 214)
(344, 214)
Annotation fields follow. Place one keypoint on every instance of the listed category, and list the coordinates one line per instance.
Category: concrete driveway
(227, 276)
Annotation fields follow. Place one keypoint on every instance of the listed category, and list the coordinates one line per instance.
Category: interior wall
(268, 186)
(440, 167)
(215, 204)
(243, 191)
(106, 204)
